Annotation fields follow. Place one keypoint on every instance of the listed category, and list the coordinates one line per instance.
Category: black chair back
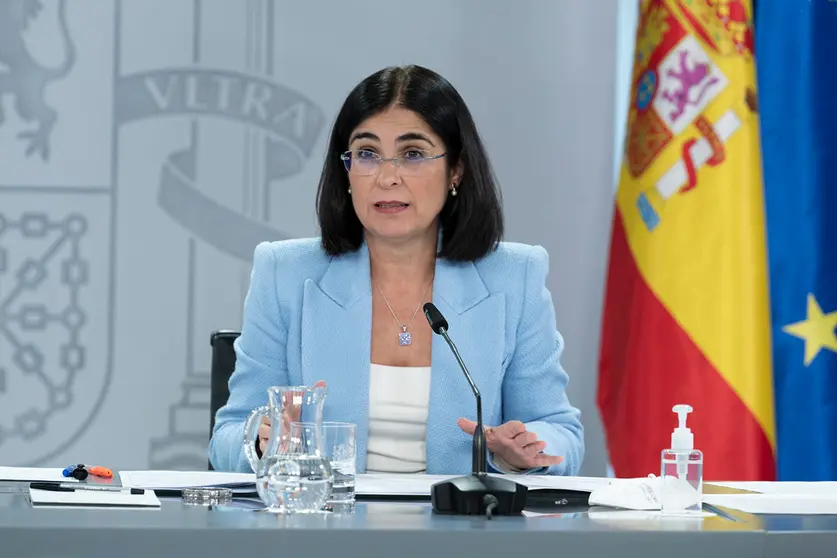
(223, 365)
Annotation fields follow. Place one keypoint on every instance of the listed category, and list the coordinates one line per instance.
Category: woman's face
(398, 199)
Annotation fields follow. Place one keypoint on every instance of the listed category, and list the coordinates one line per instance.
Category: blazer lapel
(336, 340)
(476, 321)
(336, 345)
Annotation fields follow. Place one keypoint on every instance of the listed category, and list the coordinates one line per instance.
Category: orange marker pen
(101, 472)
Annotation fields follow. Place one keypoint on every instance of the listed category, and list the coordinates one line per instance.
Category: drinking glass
(339, 446)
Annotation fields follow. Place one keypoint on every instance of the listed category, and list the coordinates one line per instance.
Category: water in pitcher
(302, 484)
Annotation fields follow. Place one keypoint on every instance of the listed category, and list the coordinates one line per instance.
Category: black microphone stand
(479, 493)
(479, 462)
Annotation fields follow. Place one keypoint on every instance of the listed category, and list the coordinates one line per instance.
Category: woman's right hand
(264, 434)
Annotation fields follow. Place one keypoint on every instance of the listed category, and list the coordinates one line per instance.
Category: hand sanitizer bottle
(682, 470)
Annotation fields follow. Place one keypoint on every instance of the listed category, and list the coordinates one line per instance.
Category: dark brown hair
(472, 221)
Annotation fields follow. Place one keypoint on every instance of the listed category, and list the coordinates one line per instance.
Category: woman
(409, 213)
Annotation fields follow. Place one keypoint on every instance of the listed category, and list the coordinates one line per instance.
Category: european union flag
(796, 56)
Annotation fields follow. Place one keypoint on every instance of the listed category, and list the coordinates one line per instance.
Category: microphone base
(465, 495)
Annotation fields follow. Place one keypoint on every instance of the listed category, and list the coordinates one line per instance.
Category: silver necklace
(405, 338)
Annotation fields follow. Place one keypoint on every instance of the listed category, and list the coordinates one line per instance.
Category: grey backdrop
(146, 146)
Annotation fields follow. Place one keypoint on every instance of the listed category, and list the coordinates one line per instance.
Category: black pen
(58, 487)
(51, 486)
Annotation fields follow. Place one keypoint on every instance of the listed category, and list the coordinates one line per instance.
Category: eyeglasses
(362, 162)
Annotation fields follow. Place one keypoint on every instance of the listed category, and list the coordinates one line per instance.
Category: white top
(398, 401)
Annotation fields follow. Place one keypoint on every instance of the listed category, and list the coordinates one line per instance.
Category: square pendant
(405, 338)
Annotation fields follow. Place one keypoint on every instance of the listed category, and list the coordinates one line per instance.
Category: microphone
(439, 325)
(478, 493)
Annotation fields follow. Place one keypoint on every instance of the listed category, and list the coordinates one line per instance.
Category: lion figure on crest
(24, 78)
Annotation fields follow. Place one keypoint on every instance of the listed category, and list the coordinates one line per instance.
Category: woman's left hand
(514, 444)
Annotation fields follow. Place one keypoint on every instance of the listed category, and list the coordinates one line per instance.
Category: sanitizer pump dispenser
(682, 470)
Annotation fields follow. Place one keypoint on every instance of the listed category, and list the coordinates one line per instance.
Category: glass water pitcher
(283, 469)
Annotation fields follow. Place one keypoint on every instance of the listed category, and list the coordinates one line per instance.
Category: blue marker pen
(78, 472)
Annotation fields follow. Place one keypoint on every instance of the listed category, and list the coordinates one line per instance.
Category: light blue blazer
(307, 317)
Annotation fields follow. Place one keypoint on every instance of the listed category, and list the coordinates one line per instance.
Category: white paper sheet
(94, 498)
(371, 484)
(625, 515)
(644, 515)
(824, 488)
(395, 484)
(584, 484)
(391, 484)
(176, 480)
(33, 474)
(775, 503)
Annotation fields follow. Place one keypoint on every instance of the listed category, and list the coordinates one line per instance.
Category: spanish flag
(686, 316)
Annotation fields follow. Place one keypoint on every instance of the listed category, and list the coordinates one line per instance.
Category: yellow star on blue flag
(818, 330)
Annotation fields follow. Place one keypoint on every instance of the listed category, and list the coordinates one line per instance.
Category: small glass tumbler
(339, 445)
